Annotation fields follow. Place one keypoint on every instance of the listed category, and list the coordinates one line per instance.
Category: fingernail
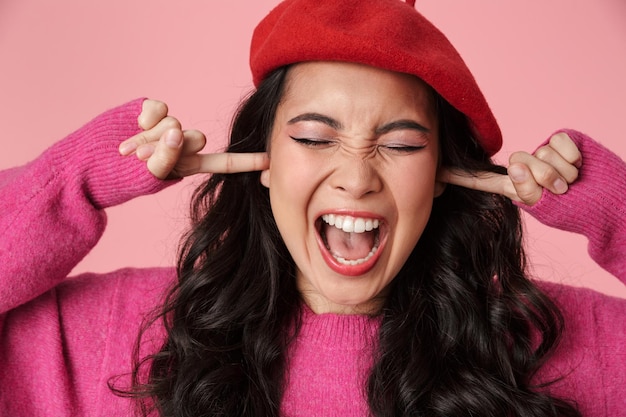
(127, 148)
(560, 186)
(517, 174)
(173, 139)
(145, 151)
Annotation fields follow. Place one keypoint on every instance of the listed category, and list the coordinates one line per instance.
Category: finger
(523, 190)
(551, 157)
(166, 153)
(145, 151)
(489, 182)
(230, 163)
(152, 112)
(193, 141)
(526, 188)
(542, 173)
(567, 148)
(131, 144)
(221, 163)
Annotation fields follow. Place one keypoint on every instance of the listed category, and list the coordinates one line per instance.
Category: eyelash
(310, 142)
(404, 148)
(394, 148)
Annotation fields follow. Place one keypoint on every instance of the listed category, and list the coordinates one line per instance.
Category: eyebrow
(401, 125)
(316, 117)
(389, 127)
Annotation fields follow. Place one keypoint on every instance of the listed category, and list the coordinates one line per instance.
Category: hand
(553, 166)
(171, 152)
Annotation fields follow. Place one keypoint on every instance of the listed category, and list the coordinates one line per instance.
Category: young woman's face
(352, 177)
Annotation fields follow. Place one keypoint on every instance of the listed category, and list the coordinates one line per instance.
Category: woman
(418, 306)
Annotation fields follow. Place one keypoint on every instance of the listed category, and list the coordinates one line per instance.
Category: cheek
(293, 171)
(293, 181)
(414, 193)
(414, 184)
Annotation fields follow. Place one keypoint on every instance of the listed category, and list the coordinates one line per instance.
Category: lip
(352, 270)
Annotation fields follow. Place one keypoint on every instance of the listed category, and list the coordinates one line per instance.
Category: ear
(265, 178)
(440, 187)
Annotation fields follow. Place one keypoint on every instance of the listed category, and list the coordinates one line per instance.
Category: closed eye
(403, 148)
(311, 142)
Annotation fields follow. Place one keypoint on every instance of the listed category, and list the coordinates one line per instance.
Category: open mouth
(351, 243)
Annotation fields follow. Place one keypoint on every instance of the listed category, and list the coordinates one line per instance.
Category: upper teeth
(351, 224)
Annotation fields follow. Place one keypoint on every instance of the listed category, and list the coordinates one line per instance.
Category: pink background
(542, 65)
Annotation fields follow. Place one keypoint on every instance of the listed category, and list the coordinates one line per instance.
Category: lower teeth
(353, 262)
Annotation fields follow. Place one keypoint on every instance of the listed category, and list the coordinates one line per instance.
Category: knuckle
(547, 175)
(517, 156)
(171, 123)
(529, 194)
(229, 163)
(161, 108)
(156, 107)
(560, 139)
(142, 139)
(183, 169)
(195, 140)
(566, 147)
(201, 138)
(571, 175)
(544, 153)
(157, 169)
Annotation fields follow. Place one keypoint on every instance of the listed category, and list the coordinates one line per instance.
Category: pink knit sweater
(63, 338)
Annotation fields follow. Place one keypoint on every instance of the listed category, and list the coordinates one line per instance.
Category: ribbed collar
(338, 331)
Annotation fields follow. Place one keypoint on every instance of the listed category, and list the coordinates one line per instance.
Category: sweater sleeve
(594, 205)
(52, 208)
(587, 365)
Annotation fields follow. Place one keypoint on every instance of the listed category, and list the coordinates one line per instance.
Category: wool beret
(388, 34)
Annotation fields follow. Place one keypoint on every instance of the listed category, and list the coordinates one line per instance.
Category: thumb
(166, 154)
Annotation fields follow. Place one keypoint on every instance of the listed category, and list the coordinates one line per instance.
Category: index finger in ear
(152, 112)
(489, 182)
(566, 147)
(230, 163)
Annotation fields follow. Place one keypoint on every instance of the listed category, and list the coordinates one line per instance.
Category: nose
(356, 175)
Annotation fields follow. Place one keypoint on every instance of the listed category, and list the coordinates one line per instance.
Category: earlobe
(440, 182)
(440, 187)
(265, 178)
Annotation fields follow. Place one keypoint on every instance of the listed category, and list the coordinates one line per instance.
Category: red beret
(388, 34)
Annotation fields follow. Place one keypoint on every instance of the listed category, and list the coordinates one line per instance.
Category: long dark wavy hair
(463, 329)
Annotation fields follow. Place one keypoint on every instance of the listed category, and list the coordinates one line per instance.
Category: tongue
(350, 246)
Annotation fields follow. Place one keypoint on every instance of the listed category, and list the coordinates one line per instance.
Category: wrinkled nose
(356, 175)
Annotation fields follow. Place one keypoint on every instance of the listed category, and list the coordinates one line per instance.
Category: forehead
(344, 85)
